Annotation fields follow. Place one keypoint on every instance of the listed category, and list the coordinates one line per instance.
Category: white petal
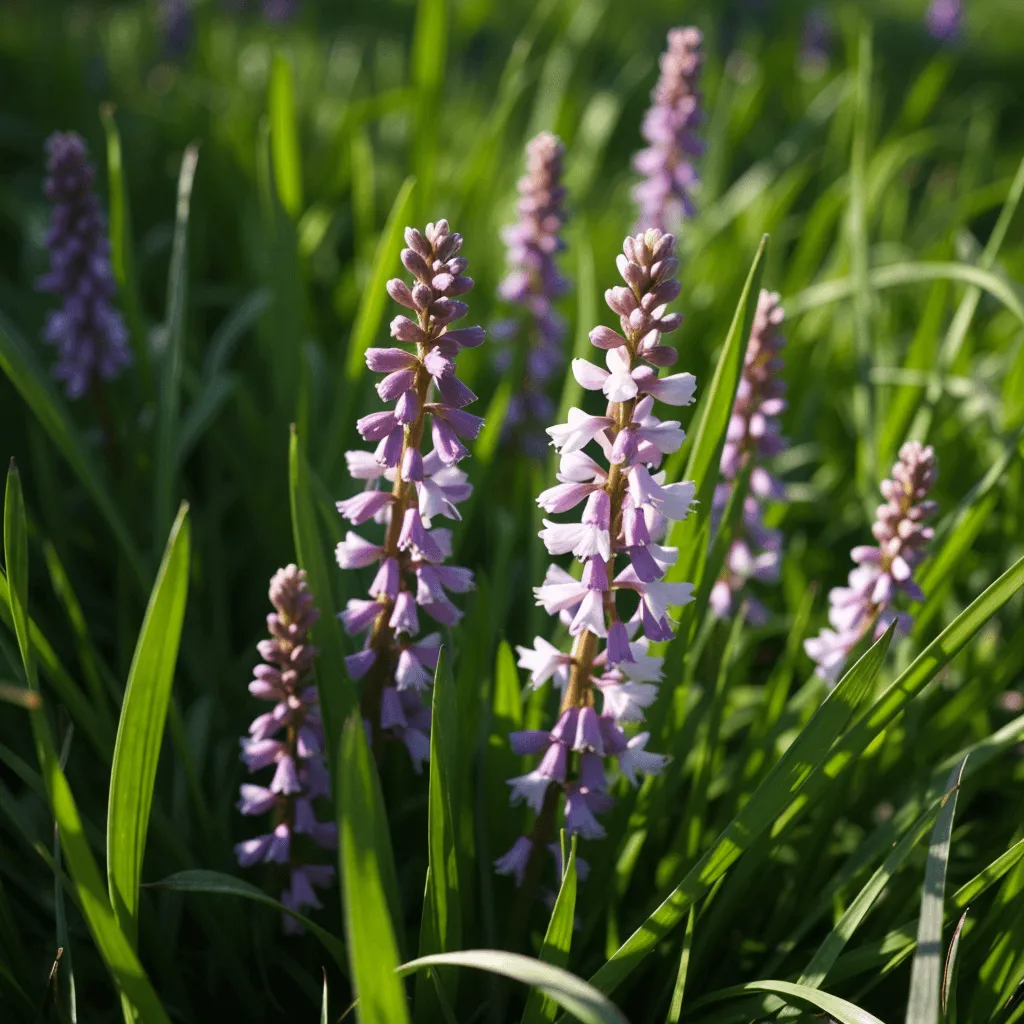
(588, 375)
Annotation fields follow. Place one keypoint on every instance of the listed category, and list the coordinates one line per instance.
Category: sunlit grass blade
(429, 46)
(284, 136)
(587, 315)
(923, 1003)
(441, 927)
(141, 728)
(372, 947)
(802, 762)
(840, 1010)
(19, 363)
(113, 946)
(557, 938)
(122, 247)
(171, 353)
(678, 990)
(573, 994)
(215, 883)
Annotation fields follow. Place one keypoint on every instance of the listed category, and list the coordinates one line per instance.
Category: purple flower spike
(88, 331)
(397, 664)
(288, 738)
(669, 128)
(623, 511)
(752, 440)
(945, 19)
(883, 571)
(533, 283)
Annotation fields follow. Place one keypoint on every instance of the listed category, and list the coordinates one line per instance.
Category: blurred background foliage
(883, 152)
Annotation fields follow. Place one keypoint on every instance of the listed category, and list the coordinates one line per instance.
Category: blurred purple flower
(626, 510)
(945, 19)
(88, 331)
(290, 739)
(533, 283)
(411, 575)
(753, 438)
(815, 43)
(176, 25)
(882, 572)
(669, 128)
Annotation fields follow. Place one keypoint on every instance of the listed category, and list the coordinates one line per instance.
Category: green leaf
(583, 1001)
(284, 136)
(802, 762)
(691, 535)
(587, 314)
(171, 353)
(372, 948)
(923, 1004)
(141, 727)
(676, 1006)
(429, 46)
(441, 927)
(113, 946)
(215, 883)
(18, 361)
(949, 974)
(557, 939)
(839, 1009)
(122, 250)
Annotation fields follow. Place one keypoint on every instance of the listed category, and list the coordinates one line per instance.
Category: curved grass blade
(19, 364)
(114, 947)
(839, 1010)
(557, 939)
(372, 947)
(441, 927)
(141, 728)
(582, 1000)
(216, 883)
(923, 1004)
(802, 762)
(949, 974)
(897, 275)
(285, 153)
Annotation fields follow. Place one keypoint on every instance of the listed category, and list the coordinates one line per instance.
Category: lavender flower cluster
(627, 511)
(669, 128)
(88, 331)
(534, 283)
(753, 438)
(886, 570)
(290, 738)
(944, 19)
(411, 574)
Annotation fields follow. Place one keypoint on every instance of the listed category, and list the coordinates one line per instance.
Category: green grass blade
(583, 1001)
(429, 46)
(802, 762)
(215, 883)
(557, 939)
(141, 728)
(691, 535)
(122, 249)
(19, 363)
(587, 314)
(171, 353)
(441, 927)
(372, 948)
(285, 151)
(923, 1004)
(840, 1010)
(678, 990)
(113, 945)
(949, 973)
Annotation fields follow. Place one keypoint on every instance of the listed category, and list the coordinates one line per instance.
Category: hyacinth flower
(884, 571)
(289, 739)
(534, 283)
(621, 601)
(89, 333)
(944, 19)
(753, 438)
(669, 128)
(420, 488)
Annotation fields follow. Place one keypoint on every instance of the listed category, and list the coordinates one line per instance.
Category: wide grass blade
(557, 939)
(839, 1010)
(19, 363)
(285, 152)
(372, 947)
(114, 947)
(141, 728)
(171, 353)
(924, 1002)
(441, 927)
(802, 762)
(582, 1000)
(215, 883)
